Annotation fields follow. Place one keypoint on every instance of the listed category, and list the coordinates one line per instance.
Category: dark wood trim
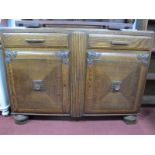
(40, 23)
(40, 114)
(70, 30)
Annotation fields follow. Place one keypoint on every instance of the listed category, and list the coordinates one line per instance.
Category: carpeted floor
(145, 125)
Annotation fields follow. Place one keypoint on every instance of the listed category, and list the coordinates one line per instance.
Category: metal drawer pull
(123, 43)
(35, 41)
(37, 85)
(116, 86)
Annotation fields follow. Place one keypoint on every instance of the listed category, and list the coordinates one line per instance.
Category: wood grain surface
(44, 66)
(79, 87)
(35, 40)
(78, 45)
(114, 66)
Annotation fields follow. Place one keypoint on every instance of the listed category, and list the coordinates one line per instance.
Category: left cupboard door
(38, 81)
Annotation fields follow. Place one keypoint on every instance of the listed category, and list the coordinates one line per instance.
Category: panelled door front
(39, 81)
(114, 81)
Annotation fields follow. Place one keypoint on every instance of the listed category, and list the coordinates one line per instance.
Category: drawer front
(119, 42)
(38, 81)
(115, 81)
(34, 40)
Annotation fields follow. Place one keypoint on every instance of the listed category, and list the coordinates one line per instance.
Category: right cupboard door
(115, 81)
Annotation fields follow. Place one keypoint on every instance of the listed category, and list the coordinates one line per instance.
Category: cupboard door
(115, 81)
(38, 81)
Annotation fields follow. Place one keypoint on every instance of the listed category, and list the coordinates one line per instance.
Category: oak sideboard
(75, 72)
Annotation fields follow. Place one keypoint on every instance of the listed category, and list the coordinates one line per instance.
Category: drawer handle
(35, 41)
(121, 43)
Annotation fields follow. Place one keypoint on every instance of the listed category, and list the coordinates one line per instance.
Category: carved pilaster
(78, 47)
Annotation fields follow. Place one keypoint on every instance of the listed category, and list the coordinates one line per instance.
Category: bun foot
(131, 119)
(21, 119)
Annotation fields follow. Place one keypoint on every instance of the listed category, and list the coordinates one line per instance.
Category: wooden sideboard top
(68, 30)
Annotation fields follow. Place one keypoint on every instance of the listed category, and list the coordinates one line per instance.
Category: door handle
(37, 85)
(116, 86)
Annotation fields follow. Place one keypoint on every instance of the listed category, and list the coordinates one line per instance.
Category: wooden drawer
(119, 42)
(34, 40)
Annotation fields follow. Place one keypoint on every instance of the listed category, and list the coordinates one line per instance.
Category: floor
(46, 126)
